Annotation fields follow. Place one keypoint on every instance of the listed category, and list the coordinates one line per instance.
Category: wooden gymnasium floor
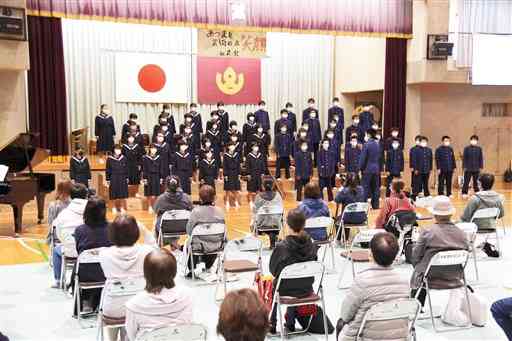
(30, 247)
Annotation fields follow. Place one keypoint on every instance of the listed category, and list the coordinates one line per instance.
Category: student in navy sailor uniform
(445, 164)
(250, 128)
(394, 136)
(104, 130)
(314, 132)
(152, 175)
(306, 113)
(126, 129)
(223, 117)
(187, 122)
(235, 138)
(133, 153)
(423, 167)
(292, 117)
(231, 163)
(262, 139)
(79, 169)
(164, 152)
(286, 121)
(233, 131)
(262, 116)
(164, 129)
(355, 128)
(193, 142)
(366, 120)
(207, 145)
(165, 118)
(472, 163)
(283, 145)
(135, 132)
(196, 119)
(334, 148)
(303, 167)
(369, 164)
(326, 169)
(413, 156)
(183, 166)
(394, 164)
(208, 169)
(116, 174)
(352, 155)
(336, 111)
(256, 164)
(214, 135)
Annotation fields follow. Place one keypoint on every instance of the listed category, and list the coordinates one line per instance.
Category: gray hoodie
(483, 199)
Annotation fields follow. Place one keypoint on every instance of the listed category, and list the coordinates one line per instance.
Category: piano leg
(40, 206)
(18, 214)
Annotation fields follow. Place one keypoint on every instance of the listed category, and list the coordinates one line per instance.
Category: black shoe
(273, 239)
(490, 250)
(290, 327)
(272, 329)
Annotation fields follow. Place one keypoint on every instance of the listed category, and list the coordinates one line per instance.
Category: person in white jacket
(162, 303)
(123, 260)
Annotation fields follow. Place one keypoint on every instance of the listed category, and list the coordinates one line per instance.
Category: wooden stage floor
(30, 246)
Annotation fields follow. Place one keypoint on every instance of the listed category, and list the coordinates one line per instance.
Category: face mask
(311, 105)
(215, 117)
(167, 111)
(446, 143)
(183, 148)
(417, 142)
(304, 148)
(313, 114)
(283, 130)
(160, 139)
(251, 118)
(375, 127)
(305, 127)
(214, 126)
(332, 125)
(188, 131)
(394, 134)
(234, 128)
(473, 142)
(336, 103)
(131, 139)
(356, 122)
(188, 119)
(164, 128)
(330, 136)
(255, 150)
(353, 143)
(117, 152)
(395, 145)
(262, 107)
(231, 148)
(378, 137)
(234, 138)
(303, 135)
(106, 111)
(285, 116)
(153, 151)
(208, 144)
(289, 109)
(209, 155)
(423, 144)
(325, 146)
(260, 130)
(366, 138)
(221, 108)
(193, 109)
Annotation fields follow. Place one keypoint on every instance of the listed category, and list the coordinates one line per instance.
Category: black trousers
(421, 296)
(371, 186)
(283, 162)
(325, 182)
(207, 259)
(420, 184)
(389, 179)
(299, 186)
(444, 180)
(468, 175)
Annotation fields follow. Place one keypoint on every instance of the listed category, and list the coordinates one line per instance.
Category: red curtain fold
(47, 84)
(395, 84)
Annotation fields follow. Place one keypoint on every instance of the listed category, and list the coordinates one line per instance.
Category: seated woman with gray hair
(269, 198)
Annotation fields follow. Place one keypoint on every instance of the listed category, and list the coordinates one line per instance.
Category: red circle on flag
(151, 78)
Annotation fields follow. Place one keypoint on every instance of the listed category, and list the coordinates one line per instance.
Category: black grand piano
(22, 184)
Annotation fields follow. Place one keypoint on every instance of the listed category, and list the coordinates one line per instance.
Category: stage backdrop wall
(297, 67)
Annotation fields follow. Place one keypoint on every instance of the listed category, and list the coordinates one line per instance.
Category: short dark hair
(124, 230)
(288, 104)
(384, 248)
(372, 133)
(233, 123)
(193, 104)
(103, 106)
(173, 183)
(159, 270)
(355, 116)
(220, 103)
(78, 191)
(445, 137)
(95, 213)
(261, 103)
(335, 99)
(486, 181)
(474, 137)
(296, 220)
(268, 183)
(312, 191)
(166, 106)
(311, 100)
(207, 195)
(250, 114)
(133, 116)
(417, 138)
(424, 138)
(395, 129)
(283, 111)
(243, 317)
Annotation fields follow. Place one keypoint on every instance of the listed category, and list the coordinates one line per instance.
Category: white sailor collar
(152, 158)
(79, 160)
(231, 156)
(117, 159)
(130, 147)
(254, 155)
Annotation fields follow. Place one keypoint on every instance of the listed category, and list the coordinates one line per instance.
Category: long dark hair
(352, 182)
(95, 213)
(398, 185)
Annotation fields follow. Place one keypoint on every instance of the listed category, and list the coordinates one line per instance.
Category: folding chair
(173, 224)
(67, 263)
(299, 271)
(269, 213)
(236, 260)
(180, 332)
(470, 229)
(364, 236)
(403, 222)
(86, 257)
(444, 259)
(126, 287)
(357, 207)
(488, 213)
(321, 231)
(406, 309)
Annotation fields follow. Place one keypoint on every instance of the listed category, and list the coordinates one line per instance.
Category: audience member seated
(313, 206)
(296, 248)
(65, 224)
(123, 260)
(205, 213)
(352, 192)
(242, 317)
(172, 199)
(441, 236)
(91, 235)
(378, 283)
(162, 303)
(268, 198)
(396, 202)
(486, 198)
(502, 312)
(62, 200)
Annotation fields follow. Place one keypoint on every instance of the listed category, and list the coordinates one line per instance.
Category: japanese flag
(151, 78)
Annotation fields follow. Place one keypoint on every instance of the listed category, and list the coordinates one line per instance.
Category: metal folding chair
(127, 288)
(364, 236)
(357, 207)
(273, 213)
(403, 229)
(86, 257)
(406, 309)
(322, 226)
(443, 259)
(173, 224)
(189, 332)
(470, 229)
(297, 271)
(488, 213)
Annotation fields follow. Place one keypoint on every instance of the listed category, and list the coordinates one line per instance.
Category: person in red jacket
(398, 201)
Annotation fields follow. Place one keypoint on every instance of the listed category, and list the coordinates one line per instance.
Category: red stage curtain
(47, 84)
(395, 84)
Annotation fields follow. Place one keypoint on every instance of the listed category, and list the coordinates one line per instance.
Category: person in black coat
(233, 131)
(314, 132)
(366, 120)
(208, 169)
(303, 167)
(394, 164)
(334, 148)
(116, 174)
(152, 175)
(127, 127)
(296, 248)
(164, 150)
(423, 167)
(291, 116)
(336, 111)
(165, 129)
(413, 156)
(390, 139)
(284, 120)
(133, 153)
(355, 128)
(326, 169)
(231, 163)
(256, 164)
(472, 163)
(193, 141)
(196, 119)
(352, 155)
(445, 164)
(223, 117)
(104, 130)
(369, 164)
(306, 113)
(206, 146)
(214, 134)
(262, 116)
(183, 166)
(79, 169)
(283, 145)
(250, 128)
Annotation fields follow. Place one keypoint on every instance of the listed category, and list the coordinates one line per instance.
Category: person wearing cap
(444, 235)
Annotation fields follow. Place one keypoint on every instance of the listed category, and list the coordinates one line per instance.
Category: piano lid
(13, 154)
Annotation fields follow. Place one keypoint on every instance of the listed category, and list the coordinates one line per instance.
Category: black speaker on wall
(438, 47)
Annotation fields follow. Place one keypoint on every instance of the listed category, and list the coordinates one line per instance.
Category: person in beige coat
(379, 283)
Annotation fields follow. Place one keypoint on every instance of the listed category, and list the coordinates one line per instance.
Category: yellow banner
(223, 43)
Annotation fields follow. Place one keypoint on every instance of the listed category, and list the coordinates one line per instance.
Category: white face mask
(164, 128)
(446, 143)
(356, 122)
(394, 134)
(255, 150)
(311, 105)
(167, 111)
(375, 127)
(215, 117)
(378, 137)
(183, 148)
(366, 138)
(332, 125)
(251, 118)
(188, 131)
(260, 130)
(117, 152)
(153, 151)
(395, 145)
(234, 138)
(283, 130)
(417, 142)
(221, 108)
(214, 126)
(231, 148)
(208, 144)
(325, 146)
(335, 103)
(289, 109)
(303, 135)
(304, 148)
(234, 128)
(313, 114)
(131, 140)
(353, 143)
(285, 116)
(473, 142)
(160, 139)
(330, 136)
(188, 119)
(262, 107)
(423, 144)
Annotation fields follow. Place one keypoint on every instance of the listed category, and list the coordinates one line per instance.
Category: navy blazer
(262, 118)
(473, 159)
(424, 160)
(352, 129)
(303, 165)
(326, 163)
(413, 156)
(314, 131)
(366, 120)
(336, 110)
(445, 159)
(352, 156)
(283, 145)
(395, 161)
(369, 162)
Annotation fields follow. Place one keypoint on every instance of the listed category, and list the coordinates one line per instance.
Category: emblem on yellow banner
(229, 82)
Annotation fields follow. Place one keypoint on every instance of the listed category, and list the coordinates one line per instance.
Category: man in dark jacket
(394, 164)
(445, 164)
(296, 248)
(369, 164)
(472, 163)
